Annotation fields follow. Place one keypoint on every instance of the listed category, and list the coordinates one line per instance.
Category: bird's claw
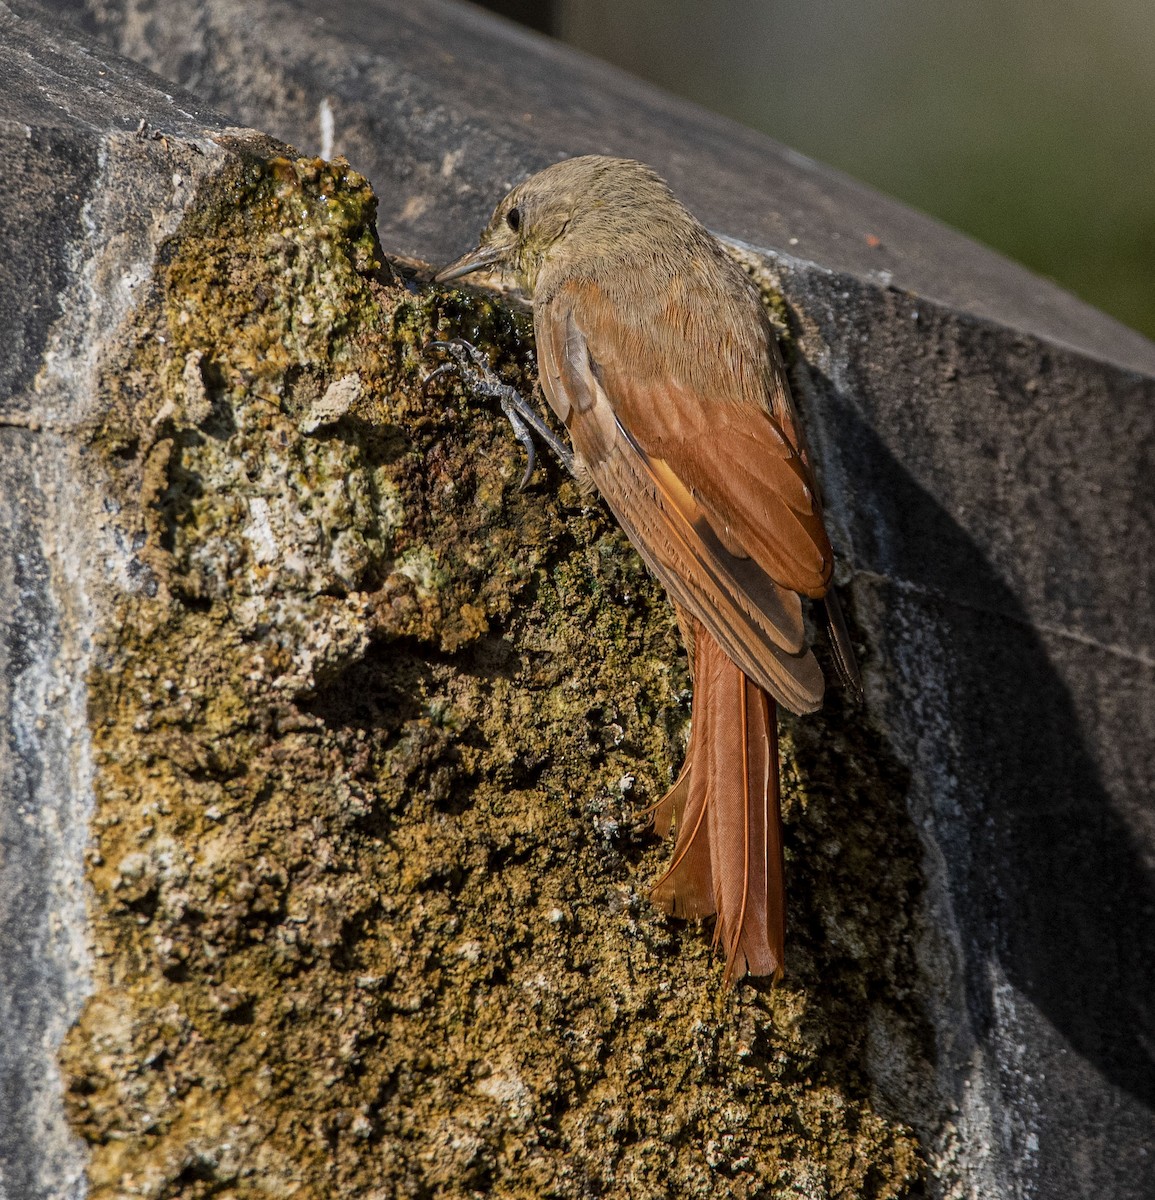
(475, 371)
(437, 372)
(465, 357)
(522, 432)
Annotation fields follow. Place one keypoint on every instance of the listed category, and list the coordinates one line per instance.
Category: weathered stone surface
(357, 736)
(971, 891)
(442, 106)
(987, 447)
(83, 203)
(368, 746)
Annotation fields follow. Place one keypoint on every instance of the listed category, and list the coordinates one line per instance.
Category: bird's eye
(513, 219)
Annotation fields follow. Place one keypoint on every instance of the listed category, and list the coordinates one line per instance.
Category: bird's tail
(725, 810)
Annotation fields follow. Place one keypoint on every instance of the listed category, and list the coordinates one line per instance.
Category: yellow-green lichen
(372, 731)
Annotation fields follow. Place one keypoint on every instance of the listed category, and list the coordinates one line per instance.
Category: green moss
(372, 732)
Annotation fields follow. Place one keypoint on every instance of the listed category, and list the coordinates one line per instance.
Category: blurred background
(1028, 124)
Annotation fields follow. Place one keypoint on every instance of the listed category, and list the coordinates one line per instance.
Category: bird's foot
(474, 369)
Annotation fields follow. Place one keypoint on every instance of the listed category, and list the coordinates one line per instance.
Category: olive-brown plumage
(655, 352)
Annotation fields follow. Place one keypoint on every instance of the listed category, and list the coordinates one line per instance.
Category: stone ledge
(984, 442)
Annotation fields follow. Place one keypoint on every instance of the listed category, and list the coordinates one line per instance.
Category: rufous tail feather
(725, 811)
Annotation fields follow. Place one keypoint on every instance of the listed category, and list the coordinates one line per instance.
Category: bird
(656, 354)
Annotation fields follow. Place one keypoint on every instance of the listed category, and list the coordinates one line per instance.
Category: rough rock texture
(412, 866)
(371, 735)
(359, 737)
(986, 444)
(83, 202)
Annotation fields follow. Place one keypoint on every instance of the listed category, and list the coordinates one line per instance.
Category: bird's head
(538, 218)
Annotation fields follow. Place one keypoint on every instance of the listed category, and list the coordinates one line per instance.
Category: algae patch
(372, 730)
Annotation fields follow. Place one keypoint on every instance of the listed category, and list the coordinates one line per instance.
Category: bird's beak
(483, 256)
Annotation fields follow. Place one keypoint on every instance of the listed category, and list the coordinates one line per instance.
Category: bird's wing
(720, 509)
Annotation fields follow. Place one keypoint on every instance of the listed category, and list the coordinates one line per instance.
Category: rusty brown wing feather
(735, 448)
(738, 465)
(733, 558)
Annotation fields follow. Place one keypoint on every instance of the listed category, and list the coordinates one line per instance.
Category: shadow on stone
(1045, 878)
